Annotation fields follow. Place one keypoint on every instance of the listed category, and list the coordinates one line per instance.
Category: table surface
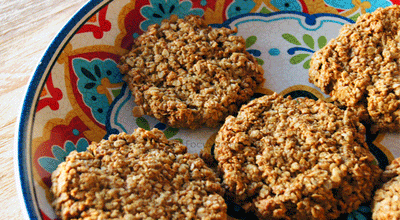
(26, 29)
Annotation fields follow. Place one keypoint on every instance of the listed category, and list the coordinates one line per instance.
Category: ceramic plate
(77, 95)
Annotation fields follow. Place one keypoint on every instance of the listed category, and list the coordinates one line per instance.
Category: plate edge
(22, 167)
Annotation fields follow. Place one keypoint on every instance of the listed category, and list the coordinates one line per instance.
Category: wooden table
(26, 29)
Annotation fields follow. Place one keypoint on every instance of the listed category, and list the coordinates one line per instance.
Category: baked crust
(386, 203)
(360, 68)
(139, 176)
(295, 159)
(187, 74)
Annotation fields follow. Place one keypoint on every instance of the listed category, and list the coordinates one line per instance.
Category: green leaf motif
(298, 58)
(179, 139)
(170, 132)
(309, 41)
(291, 39)
(116, 92)
(354, 17)
(260, 61)
(321, 42)
(265, 10)
(306, 64)
(142, 123)
(250, 41)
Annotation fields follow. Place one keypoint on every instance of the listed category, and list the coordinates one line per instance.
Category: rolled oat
(187, 74)
(361, 68)
(139, 176)
(386, 203)
(295, 159)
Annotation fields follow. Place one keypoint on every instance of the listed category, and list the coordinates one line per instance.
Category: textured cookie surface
(137, 176)
(295, 159)
(386, 203)
(360, 68)
(187, 74)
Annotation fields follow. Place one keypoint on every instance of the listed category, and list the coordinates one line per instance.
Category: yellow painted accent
(93, 18)
(315, 92)
(386, 151)
(315, 7)
(264, 91)
(105, 85)
(216, 16)
(44, 92)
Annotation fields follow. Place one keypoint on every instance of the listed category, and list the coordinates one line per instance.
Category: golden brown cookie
(139, 176)
(187, 74)
(361, 67)
(386, 203)
(295, 159)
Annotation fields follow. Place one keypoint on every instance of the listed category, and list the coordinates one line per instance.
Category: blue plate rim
(22, 167)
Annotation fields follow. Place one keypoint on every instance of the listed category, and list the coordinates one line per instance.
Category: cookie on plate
(361, 67)
(386, 203)
(139, 176)
(295, 159)
(187, 74)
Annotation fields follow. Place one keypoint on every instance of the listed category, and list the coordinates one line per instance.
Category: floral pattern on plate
(77, 94)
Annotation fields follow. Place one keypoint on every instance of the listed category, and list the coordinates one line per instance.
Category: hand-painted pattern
(97, 24)
(362, 213)
(49, 96)
(168, 131)
(164, 9)
(239, 7)
(368, 5)
(256, 53)
(309, 50)
(99, 82)
(85, 90)
(287, 5)
(60, 132)
(50, 163)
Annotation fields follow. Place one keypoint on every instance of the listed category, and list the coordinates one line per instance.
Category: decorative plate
(77, 95)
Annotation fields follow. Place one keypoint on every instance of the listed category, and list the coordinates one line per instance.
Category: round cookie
(361, 67)
(139, 176)
(295, 159)
(187, 74)
(386, 202)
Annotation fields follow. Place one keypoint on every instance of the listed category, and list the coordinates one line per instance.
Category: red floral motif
(54, 93)
(304, 6)
(44, 216)
(58, 136)
(97, 24)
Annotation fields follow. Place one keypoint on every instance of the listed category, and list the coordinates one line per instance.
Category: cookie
(295, 159)
(139, 176)
(187, 74)
(386, 202)
(361, 67)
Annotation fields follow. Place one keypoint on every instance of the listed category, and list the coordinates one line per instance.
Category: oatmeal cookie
(187, 74)
(139, 176)
(295, 159)
(360, 68)
(386, 203)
